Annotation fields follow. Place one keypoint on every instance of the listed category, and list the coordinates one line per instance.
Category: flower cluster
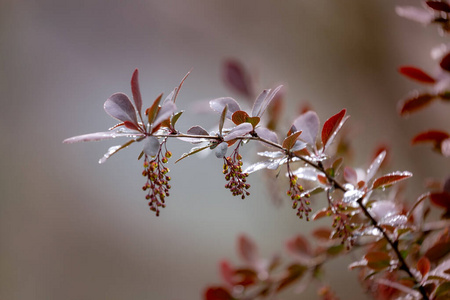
(236, 179)
(157, 181)
(299, 199)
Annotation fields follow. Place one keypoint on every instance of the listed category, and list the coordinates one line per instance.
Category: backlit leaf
(442, 292)
(416, 74)
(119, 106)
(239, 117)
(331, 126)
(415, 103)
(263, 101)
(175, 118)
(390, 179)
(423, 265)
(375, 165)
(152, 110)
(289, 142)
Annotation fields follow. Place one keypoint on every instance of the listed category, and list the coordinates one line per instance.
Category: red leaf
(289, 142)
(239, 117)
(445, 62)
(434, 136)
(237, 78)
(441, 199)
(415, 103)
(439, 6)
(331, 125)
(136, 91)
(389, 179)
(217, 293)
(416, 74)
(423, 265)
(247, 249)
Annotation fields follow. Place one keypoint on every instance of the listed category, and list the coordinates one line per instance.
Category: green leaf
(443, 291)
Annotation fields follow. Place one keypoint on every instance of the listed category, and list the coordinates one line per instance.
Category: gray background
(73, 229)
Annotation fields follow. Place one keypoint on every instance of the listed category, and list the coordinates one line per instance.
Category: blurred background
(73, 229)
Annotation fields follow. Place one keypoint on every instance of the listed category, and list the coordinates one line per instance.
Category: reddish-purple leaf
(247, 249)
(294, 273)
(267, 134)
(238, 131)
(289, 142)
(136, 91)
(375, 165)
(298, 246)
(197, 130)
(263, 101)
(166, 110)
(439, 6)
(331, 126)
(441, 199)
(350, 175)
(239, 117)
(416, 74)
(237, 78)
(415, 103)
(177, 89)
(445, 62)
(390, 179)
(151, 146)
(309, 124)
(434, 136)
(438, 250)
(153, 110)
(217, 293)
(378, 260)
(119, 106)
(423, 265)
(220, 103)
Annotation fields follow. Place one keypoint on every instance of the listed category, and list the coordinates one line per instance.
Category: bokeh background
(73, 229)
